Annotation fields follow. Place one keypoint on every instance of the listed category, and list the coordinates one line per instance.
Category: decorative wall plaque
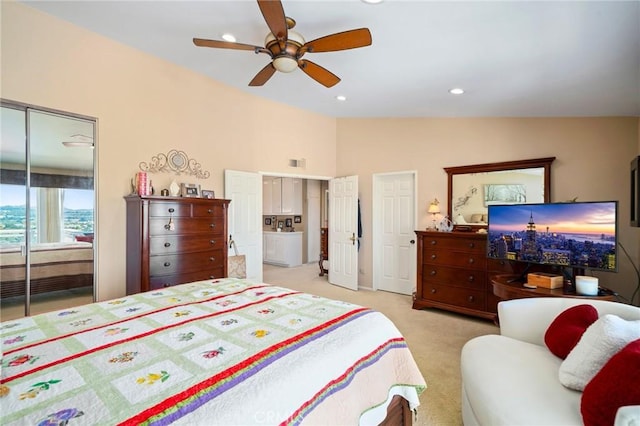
(177, 162)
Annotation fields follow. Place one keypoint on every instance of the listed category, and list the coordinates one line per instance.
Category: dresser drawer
(469, 278)
(500, 266)
(169, 209)
(468, 260)
(458, 244)
(183, 263)
(463, 297)
(161, 281)
(168, 244)
(157, 226)
(208, 210)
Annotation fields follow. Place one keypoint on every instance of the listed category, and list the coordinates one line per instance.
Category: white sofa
(512, 378)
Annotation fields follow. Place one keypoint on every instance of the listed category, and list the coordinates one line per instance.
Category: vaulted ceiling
(512, 58)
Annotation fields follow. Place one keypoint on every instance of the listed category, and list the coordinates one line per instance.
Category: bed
(210, 352)
(54, 266)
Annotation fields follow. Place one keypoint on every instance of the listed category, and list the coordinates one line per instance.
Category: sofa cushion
(598, 344)
(614, 386)
(509, 382)
(567, 328)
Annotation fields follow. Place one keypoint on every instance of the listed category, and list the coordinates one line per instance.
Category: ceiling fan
(286, 47)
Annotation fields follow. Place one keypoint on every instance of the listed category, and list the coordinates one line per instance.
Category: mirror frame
(493, 167)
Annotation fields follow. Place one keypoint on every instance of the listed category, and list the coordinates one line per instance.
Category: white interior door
(244, 189)
(343, 232)
(394, 222)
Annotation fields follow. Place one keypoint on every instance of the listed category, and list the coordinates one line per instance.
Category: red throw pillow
(565, 330)
(614, 386)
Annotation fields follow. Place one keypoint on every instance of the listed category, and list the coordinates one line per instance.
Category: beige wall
(592, 163)
(147, 106)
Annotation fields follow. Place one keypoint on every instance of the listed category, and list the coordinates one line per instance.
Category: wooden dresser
(172, 240)
(452, 273)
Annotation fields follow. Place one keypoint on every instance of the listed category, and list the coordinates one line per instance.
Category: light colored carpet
(435, 337)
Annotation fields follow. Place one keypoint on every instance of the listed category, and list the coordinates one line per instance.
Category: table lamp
(434, 209)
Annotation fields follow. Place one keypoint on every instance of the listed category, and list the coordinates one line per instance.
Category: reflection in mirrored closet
(47, 210)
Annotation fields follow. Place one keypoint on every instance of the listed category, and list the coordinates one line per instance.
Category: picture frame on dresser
(209, 194)
(190, 190)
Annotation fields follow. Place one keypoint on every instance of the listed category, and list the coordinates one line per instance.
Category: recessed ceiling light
(372, 1)
(341, 98)
(228, 37)
(456, 91)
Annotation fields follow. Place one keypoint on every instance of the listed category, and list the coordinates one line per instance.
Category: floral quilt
(210, 352)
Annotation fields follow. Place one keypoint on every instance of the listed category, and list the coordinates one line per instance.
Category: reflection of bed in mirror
(54, 266)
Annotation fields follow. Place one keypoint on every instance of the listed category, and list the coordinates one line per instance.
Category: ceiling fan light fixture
(341, 98)
(228, 37)
(285, 63)
(456, 91)
(77, 144)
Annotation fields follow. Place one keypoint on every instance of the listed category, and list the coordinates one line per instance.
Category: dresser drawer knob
(433, 291)
(471, 260)
(212, 225)
(471, 278)
(433, 257)
(166, 285)
(212, 242)
(167, 264)
(209, 211)
(434, 242)
(171, 210)
(211, 277)
(432, 273)
(167, 244)
(472, 245)
(212, 259)
(471, 299)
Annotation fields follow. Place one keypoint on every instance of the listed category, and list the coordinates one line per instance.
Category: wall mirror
(472, 188)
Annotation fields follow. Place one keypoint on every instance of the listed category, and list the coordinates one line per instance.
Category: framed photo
(297, 219)
(504, 194)
(189, 190)
(206, 193)
(635, 192)
(288, 223)
(280, 224)
(267, 221)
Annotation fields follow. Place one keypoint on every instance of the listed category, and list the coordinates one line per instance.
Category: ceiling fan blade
(319, 74)
(263, 75)
(273, 14)
(224, 44)
(339, 41)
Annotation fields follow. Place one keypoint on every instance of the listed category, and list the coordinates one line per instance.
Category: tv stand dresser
(452, 274)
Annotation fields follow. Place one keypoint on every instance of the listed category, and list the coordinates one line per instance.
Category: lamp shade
(434, 207)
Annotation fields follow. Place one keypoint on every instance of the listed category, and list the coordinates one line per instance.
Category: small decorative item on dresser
(189, 190)
(208, 194)
(174, 189)
(267, 221)
(297, 219)
(288, 223)
(164, 192)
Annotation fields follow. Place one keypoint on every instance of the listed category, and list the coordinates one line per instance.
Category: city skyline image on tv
(580, 234)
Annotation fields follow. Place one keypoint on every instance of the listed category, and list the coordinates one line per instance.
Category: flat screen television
(578, 235)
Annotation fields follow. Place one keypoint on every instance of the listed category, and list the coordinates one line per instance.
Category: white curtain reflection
(49, 215)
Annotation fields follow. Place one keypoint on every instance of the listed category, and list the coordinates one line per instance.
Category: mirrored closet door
(47, 210)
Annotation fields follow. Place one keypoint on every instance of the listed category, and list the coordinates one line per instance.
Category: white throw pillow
(602, 339)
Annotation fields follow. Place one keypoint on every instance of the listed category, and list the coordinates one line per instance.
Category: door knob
(353, 238)
(412, 241)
